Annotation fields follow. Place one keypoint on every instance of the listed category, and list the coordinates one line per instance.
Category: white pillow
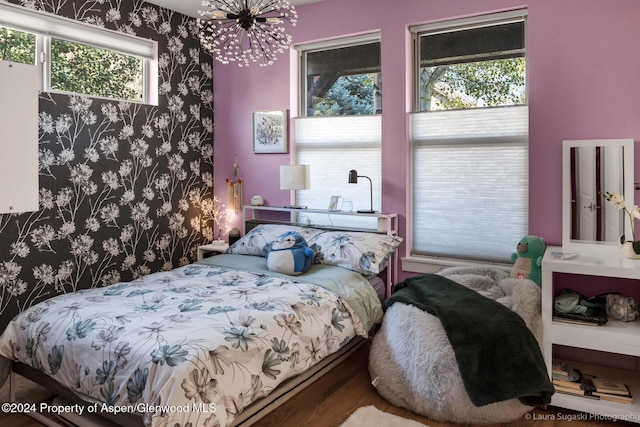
(364, 252)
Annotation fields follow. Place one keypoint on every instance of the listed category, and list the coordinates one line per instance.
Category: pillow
(363, 252)
(257, 239)
(289, 254)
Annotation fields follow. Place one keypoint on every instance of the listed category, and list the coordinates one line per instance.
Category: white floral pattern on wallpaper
(120, 182)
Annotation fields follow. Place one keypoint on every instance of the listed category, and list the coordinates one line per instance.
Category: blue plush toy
(289, 254)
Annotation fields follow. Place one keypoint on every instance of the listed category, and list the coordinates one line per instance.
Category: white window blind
(38, 22)
(332, 146)
(49, 28)
(470, 182)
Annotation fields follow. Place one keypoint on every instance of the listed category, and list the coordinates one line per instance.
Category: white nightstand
(211, 247)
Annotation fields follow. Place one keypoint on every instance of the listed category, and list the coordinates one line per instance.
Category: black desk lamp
(353, 179)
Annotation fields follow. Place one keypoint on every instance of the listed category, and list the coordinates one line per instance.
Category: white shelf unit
(615, 337)
(386, 223)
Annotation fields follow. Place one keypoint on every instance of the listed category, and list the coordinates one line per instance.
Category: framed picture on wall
(270, 131)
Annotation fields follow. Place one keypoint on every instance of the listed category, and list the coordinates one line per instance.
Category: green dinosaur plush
(528, 259)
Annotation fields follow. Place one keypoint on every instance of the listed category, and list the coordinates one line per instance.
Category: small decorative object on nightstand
(214, 218)
(335, 203)
(234, 235)
(211, 249)
(630, 247)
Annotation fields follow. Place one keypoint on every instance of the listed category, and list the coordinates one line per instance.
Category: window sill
(425, 264)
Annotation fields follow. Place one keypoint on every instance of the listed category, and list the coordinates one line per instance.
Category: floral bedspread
(192, 346)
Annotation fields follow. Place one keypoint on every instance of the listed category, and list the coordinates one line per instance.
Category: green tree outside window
(79, 68)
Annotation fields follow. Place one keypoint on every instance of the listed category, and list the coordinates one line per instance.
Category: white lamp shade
(294, 177)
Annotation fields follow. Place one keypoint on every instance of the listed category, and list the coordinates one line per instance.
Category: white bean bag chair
(412, 363)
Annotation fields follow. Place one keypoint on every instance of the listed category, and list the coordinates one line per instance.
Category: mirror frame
(628, 188)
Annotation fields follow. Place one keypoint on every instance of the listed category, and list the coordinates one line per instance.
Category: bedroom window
(340, 124)
(74, 57)
(17, 46)
(469, 134)
(342, 79)
(81, 68)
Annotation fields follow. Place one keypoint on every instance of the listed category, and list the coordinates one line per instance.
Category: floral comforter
(192, 346)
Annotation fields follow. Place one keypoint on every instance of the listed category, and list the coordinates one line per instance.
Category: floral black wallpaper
(120, 182)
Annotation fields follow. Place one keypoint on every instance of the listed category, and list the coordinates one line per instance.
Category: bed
(209, 342)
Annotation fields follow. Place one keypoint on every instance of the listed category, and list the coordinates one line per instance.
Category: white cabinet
(18, 137)
(597, 350)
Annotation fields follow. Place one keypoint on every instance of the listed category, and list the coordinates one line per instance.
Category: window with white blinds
(61, 44)
(469, 138)
(340, 129)
(332, 146)
(470, 182)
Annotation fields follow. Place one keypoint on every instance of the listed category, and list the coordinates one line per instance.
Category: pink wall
(583, 64)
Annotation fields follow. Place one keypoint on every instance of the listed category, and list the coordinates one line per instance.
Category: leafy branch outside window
(79, 68)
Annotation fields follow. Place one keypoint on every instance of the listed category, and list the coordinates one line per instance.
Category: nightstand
(211, 248)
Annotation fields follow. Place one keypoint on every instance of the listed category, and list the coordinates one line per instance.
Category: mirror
(591, 168)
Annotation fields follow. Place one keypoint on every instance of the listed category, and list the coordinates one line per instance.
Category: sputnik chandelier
(246, 31)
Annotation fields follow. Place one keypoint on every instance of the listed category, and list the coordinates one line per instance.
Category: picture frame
(335, 204)
(270, 133)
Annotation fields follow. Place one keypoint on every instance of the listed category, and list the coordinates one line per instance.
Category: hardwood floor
(329, 401)
(329, 406)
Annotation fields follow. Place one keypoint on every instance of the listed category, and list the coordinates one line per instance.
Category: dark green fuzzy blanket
(498, 356)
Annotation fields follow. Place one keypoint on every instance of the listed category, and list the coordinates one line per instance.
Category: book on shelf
(564, 372)
(597, 318)
(560, 368)
(568, 380)
(574, 321)
(568, 390)
(579, 393)
(568, 384)
(573, 382)
(581, 388)
(614, 397)
(608, 386)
